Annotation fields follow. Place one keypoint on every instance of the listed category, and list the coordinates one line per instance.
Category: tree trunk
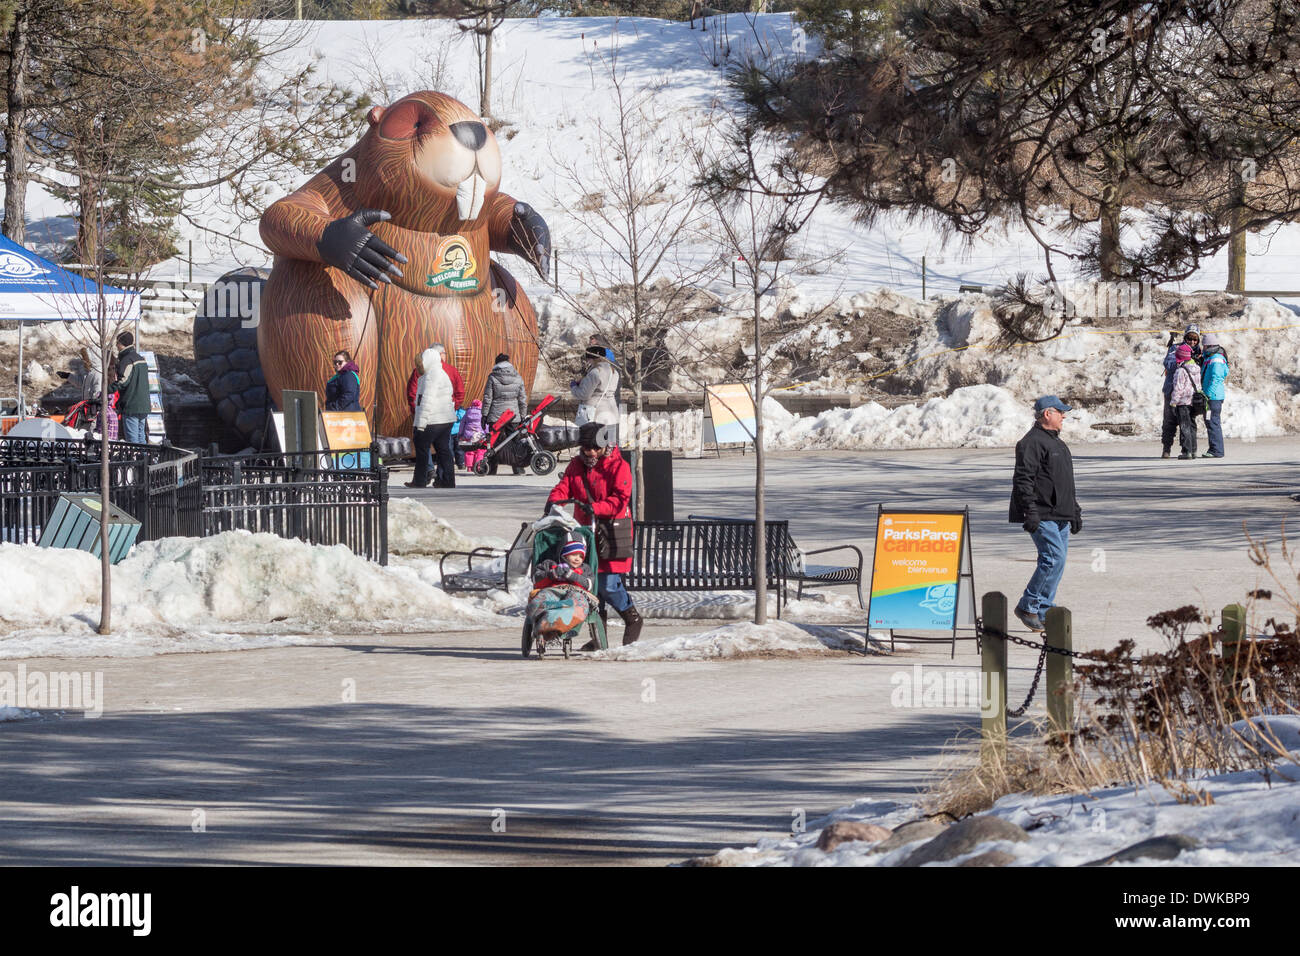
(638, 431)
(16, 132)
(105, 568)
(1110, 256)
(760, 501)
(1237, 240)
(485, 94)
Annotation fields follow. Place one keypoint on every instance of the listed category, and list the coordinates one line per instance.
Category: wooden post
(922, 278)
(993, 683)
(1060, 670)
(1233, 631)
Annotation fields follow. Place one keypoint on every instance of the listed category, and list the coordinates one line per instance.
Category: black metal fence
(173, 492)
(299, 496)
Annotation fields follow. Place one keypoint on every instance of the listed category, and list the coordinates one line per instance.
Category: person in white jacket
(597, 393)
(435, 413)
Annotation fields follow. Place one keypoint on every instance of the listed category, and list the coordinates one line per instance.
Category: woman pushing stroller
(601, 477)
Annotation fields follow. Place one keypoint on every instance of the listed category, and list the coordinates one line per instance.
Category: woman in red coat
(601, 476)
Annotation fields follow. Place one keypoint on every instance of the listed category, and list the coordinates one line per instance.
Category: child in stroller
(563, 595)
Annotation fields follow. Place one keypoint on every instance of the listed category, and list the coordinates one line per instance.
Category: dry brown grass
(1161, 719)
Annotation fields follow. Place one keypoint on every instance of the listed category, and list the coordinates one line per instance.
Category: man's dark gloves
(1031, 524)
(349, 245)
(1076, 525)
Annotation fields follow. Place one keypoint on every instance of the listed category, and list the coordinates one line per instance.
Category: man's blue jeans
(1214, 428)
(133, 429)
(1053, 541)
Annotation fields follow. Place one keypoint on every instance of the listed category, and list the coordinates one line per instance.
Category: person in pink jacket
(1187, 382)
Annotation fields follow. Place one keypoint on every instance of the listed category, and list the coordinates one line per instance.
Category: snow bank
(230, 582)
(733, 640)
(414, 529)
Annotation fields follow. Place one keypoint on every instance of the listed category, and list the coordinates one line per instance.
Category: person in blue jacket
(1214, 371)
(1169, 425)
(343, 390)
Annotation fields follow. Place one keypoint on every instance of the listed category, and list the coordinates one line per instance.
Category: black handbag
(1200, 403)
(613, 535)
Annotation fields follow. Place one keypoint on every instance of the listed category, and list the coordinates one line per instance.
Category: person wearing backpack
(1214, 371)
(1187, 386)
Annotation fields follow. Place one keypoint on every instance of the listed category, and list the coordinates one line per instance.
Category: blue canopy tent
(33, 289)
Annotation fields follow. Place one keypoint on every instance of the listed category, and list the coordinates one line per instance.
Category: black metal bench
(485, 577)
(793, 559)
(704, 555)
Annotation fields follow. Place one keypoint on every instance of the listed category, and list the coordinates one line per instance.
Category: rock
(844, 831)
(960, 838)
(1164, 847)
(990, 858)
(909, 833)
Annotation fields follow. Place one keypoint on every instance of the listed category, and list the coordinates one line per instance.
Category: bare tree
(759, 202)
(636, 221)
(480, 19)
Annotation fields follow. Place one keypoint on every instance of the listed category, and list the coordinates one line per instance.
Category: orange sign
(346, 430)
(914, 581)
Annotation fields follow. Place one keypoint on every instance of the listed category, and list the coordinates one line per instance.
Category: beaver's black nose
(469, 134)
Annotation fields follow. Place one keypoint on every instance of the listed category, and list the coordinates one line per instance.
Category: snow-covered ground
(1251, 821)
(740, 639)
(233, 591)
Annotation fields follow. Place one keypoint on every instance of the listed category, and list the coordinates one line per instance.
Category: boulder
(989, 858)
(909, 833)
(845, 831)
(1164, 847)
(960, 838)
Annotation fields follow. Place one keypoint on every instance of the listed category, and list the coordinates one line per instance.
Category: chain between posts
(1043, 648)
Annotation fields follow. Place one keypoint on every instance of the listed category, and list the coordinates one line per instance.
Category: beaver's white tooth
(480, 187)
(465, 198)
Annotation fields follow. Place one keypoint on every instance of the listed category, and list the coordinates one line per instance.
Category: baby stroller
(546, 542)
(515, 443)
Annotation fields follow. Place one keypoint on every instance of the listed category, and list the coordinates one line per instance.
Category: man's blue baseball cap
(1050, 401)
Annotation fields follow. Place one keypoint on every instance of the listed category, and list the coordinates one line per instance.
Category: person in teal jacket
(1214, 371)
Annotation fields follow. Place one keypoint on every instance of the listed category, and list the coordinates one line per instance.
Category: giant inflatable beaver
(386, 251)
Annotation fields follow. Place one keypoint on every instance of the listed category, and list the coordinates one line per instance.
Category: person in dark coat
(505, 391)
(1044, 503)
(343, 390)
(132, 386)
(1169, 424)
(600, 475)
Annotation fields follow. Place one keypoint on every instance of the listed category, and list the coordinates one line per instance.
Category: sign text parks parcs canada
(908, 540)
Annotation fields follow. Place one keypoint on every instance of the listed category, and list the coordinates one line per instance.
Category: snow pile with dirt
(741, 639)
(1251, 821)
(413, 529)
(188, 594)
(974, 394)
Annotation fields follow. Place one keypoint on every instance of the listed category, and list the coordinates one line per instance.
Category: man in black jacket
(1042, 500)
(132, 386)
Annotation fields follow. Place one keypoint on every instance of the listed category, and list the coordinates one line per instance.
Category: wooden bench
(794, 560)
(704, 555)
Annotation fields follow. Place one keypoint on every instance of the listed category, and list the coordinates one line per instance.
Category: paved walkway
(604, 763)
